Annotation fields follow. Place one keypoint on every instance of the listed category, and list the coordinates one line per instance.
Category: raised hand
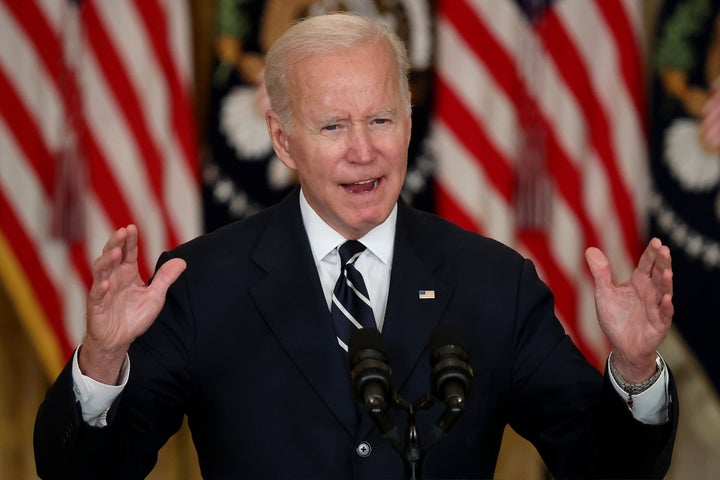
(635, 315)
(120, 306)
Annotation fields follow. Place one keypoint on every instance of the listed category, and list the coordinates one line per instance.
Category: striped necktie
(350, 307)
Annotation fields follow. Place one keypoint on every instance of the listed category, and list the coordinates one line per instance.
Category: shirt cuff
(96, 398)
(651, 406)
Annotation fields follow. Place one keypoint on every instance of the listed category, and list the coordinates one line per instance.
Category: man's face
(349, 136)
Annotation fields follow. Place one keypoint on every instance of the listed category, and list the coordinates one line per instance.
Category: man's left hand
(635, 315)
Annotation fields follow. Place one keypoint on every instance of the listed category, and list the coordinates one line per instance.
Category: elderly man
(245, 330)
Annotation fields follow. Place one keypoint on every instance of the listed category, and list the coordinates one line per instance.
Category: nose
(361, 145)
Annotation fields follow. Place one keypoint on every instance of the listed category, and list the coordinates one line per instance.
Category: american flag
(96, 131)
(540, 137)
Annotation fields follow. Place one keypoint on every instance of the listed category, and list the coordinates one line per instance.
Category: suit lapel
(291, 301)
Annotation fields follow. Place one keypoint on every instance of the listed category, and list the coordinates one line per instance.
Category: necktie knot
(349, 251)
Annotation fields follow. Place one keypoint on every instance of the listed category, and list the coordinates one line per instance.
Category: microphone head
(369, 371)
(451, 374)
(362, 340)
(446, 337)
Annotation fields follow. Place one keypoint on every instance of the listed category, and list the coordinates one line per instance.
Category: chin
(373, 218)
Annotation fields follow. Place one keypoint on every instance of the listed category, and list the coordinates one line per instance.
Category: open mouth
(363, 186)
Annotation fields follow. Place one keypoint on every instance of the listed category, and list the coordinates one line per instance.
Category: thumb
(599, 268)
(167, 274)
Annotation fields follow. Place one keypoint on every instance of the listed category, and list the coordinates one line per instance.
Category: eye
(380, 121)
(331, 128)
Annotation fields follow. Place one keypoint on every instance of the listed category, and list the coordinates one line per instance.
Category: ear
(409, 131)
(280, 140)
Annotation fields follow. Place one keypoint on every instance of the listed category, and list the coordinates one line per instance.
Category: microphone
(370, 374)
(451, 381)
(451, 375)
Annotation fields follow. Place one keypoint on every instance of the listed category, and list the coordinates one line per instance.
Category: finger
(103, 266)
(116, 239)
(649, 257)
(130, 248)
(166, 275)
(121, 247)
(663, 258)
(663, 264)
(660, 315)
(102, 269)
(663, 281)
(662, 274)
(666, 310)
(599, 268)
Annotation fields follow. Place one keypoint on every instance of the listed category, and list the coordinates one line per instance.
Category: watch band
(638, 388)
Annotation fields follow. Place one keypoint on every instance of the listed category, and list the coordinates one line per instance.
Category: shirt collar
(323, 239)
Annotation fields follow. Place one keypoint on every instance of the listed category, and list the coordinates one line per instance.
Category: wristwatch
(638, 388)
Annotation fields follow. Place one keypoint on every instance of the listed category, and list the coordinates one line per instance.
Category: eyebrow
(329, 120)
(386, 112)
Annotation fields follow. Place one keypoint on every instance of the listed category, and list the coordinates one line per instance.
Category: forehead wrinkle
(319, 111)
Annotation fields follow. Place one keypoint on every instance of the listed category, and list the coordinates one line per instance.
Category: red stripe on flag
(26, 251)
(482, 43)
(571, 67)
(47, 45)
(156, 25)
(568, 183)
(467, 130)
(631, 60)
(505, 72)
(563, 288)
(54, 33)
(26, 132)
(445, 203)
(128, 100)
(103, 182)
(478, 26)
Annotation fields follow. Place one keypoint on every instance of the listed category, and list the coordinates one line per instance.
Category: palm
(636, 314)
(120, 305)
(625, 318)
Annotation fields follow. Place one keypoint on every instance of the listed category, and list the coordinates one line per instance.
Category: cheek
(315, 168)
(398, 156)
(323, 160)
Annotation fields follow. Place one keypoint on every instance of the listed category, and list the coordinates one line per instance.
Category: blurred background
(549, 125)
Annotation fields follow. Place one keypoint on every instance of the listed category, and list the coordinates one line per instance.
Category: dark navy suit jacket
(245, 347)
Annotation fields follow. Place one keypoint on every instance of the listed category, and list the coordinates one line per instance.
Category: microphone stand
(451, 379)
(410, 447)
(414, 453)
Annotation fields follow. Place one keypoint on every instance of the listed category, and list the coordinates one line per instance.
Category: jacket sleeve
(148, 411)
(579, 424)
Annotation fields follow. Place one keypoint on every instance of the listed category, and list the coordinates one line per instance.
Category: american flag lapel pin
(426, 294)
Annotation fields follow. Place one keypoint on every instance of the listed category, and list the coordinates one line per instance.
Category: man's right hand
(120, 306)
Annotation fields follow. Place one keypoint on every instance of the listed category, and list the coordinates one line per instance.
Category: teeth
(364, 183)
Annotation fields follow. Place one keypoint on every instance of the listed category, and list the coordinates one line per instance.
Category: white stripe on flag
(568, 77)
(140, 164)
